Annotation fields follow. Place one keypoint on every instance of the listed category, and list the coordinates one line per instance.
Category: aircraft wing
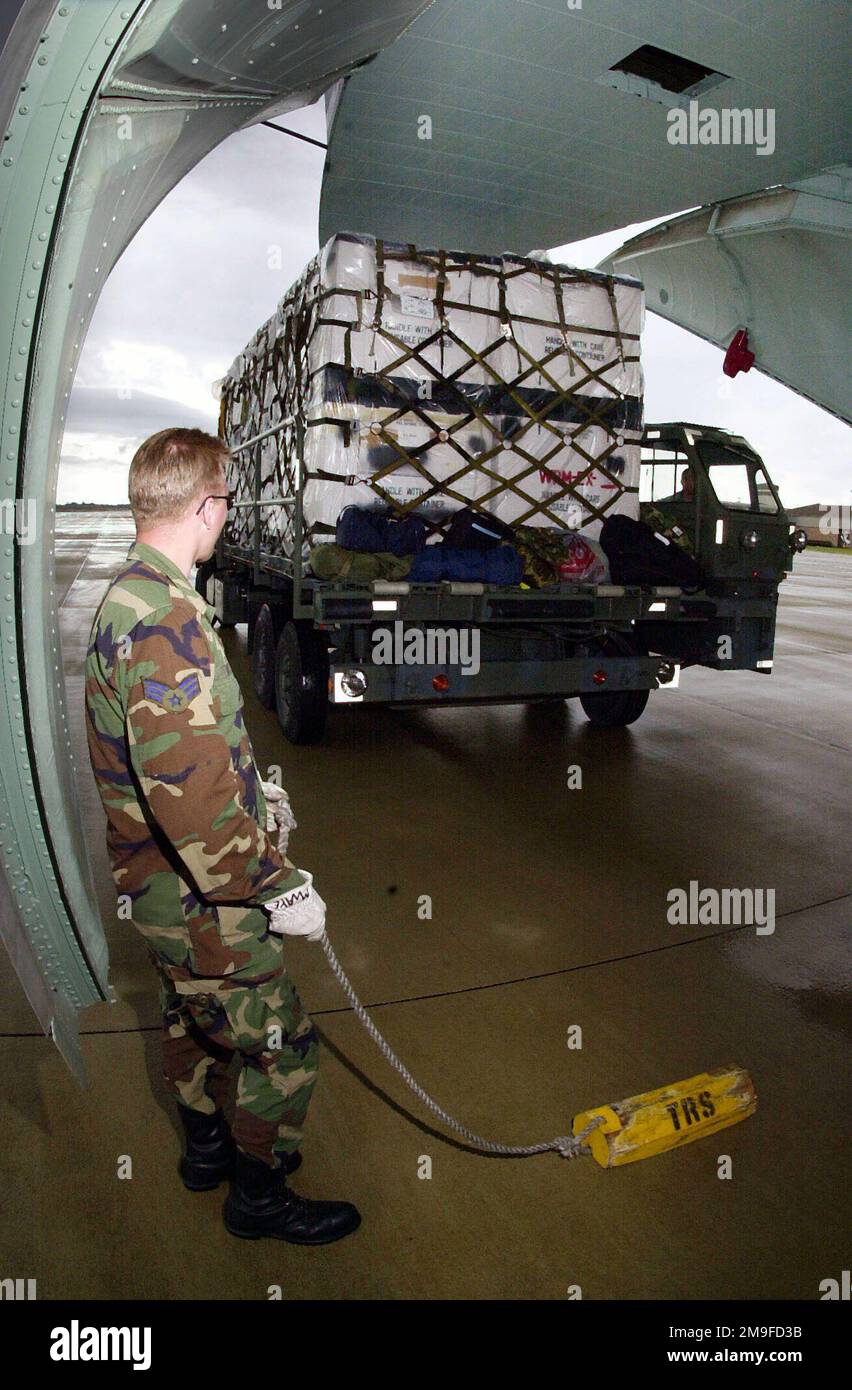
(776, 263)
(512, 124)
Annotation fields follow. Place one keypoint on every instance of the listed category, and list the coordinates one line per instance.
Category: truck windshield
(737, 478)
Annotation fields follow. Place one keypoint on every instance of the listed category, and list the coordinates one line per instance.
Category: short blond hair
(170, 469)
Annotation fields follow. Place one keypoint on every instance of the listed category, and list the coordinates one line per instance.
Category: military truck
(312, 641)
(418, 383)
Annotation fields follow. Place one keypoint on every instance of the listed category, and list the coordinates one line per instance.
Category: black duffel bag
(472, 530)
(638, 555)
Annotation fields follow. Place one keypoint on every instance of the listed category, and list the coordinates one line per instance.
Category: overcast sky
(213, 260)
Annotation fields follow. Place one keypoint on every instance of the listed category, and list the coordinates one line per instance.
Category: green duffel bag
(358, 566)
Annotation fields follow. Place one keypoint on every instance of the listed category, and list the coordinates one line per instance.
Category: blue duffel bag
(501, 565)
(361, 528)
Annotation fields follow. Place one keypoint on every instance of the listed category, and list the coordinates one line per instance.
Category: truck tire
(264, 642)
(254, 605)
(301, 683)
(611, 709)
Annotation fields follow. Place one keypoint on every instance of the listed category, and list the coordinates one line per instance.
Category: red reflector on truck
(441, 682)
(599, 677)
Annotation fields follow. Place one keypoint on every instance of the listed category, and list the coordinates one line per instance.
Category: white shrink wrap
(430, 380)
(377, 333)
(372, 469)
(566, 477)
(593, 348)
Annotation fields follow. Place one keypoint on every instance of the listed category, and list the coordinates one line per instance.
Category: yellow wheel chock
(619, 1133)
(665, 1119)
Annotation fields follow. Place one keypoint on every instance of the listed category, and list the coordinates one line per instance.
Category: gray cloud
(101, 410)
(197, 276)
(188, 293)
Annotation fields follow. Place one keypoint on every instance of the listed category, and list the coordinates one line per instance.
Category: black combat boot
(261, 1204)
(210, 1151)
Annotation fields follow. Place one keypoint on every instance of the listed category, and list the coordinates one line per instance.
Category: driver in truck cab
(686, 491)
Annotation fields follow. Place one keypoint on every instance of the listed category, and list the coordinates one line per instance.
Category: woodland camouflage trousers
(265, 1026)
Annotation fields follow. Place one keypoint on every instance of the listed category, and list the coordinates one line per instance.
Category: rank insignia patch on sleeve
(174, 698)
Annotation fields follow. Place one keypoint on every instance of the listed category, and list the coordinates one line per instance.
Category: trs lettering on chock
(688, 1110)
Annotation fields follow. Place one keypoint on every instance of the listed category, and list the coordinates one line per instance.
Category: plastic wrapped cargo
(419, 380)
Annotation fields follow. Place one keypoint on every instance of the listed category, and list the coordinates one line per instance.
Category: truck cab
(717, 489)
(706, 489)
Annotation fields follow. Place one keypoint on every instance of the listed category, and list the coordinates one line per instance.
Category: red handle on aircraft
(738, 358)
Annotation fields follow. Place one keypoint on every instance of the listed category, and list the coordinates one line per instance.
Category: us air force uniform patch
(174, 698)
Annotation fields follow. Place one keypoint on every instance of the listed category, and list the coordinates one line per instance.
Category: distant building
(824, 524)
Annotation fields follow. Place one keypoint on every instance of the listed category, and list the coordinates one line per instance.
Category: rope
(567, 1145)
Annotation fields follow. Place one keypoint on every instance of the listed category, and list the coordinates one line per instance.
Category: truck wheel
(264, 642)
(301, 682)
(612, 709)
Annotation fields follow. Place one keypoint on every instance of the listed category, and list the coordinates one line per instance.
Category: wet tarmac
(549, 909)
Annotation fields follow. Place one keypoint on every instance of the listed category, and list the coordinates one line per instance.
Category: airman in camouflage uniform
(189, 849)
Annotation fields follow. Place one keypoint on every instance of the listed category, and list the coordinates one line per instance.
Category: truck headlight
(750, 540)
(353, 684)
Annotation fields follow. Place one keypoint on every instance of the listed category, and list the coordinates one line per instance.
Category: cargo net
(424, 382)
(259, 416)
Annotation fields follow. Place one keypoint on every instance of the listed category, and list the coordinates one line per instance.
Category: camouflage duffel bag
(542, 551)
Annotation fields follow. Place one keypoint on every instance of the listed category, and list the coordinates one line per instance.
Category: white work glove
(301, 912)
(279, 814)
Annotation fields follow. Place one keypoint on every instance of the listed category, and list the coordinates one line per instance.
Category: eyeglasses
(228, 497)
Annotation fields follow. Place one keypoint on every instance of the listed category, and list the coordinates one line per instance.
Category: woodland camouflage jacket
(174, 767)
